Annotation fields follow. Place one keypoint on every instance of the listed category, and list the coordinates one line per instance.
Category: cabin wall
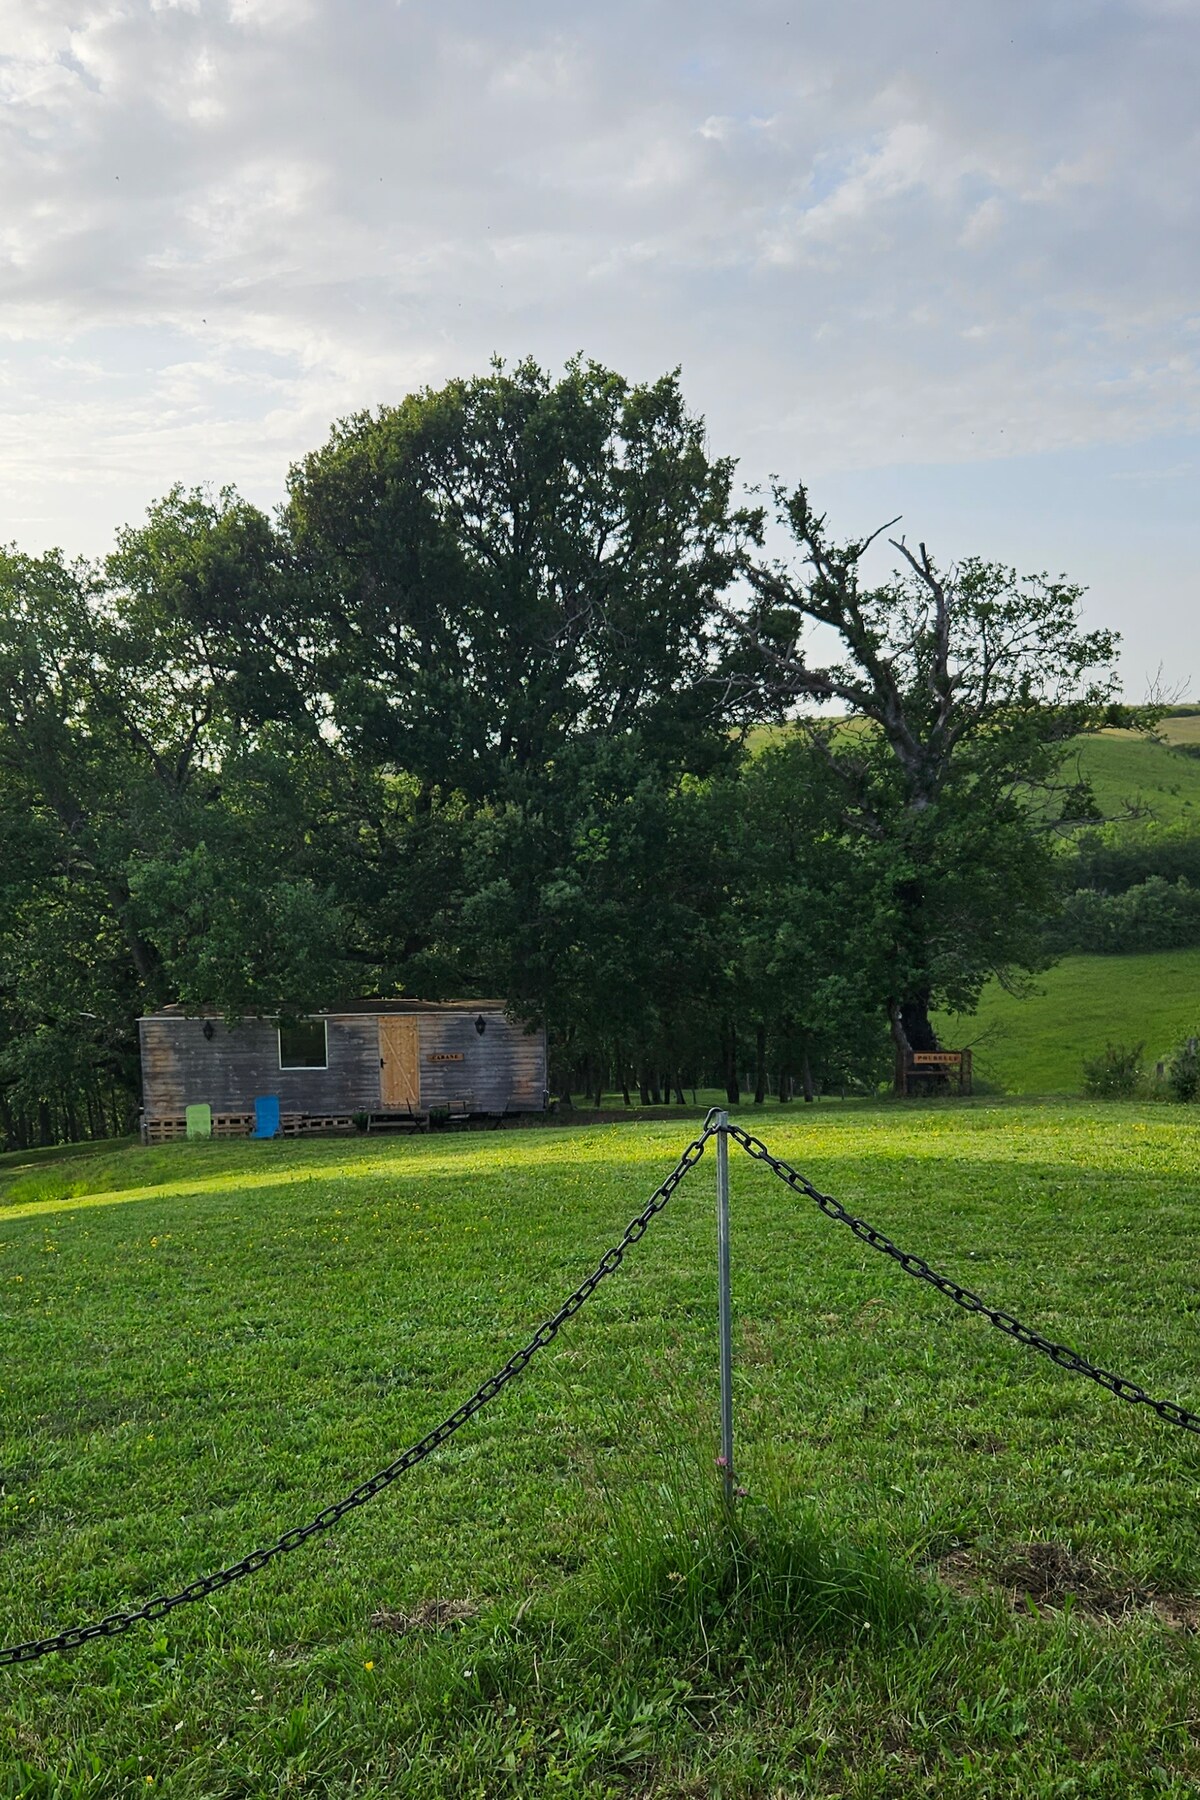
(502, 1070)
(181, 1066)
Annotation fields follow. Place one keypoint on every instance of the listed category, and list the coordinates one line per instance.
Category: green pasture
(1035, 1042)
(1134, 777)
(1181, 728)
(956, 1571)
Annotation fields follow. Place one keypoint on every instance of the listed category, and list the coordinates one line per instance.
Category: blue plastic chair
(266, 1116)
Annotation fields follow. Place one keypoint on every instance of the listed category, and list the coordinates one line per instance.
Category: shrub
(1110, 862)
(1183, 1074)
(1115, 1074)
(1156, 914)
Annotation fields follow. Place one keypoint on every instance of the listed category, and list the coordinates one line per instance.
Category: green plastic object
(199, 1120)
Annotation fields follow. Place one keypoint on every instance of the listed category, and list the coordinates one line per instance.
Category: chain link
(1062, 1354)
(116, 1624)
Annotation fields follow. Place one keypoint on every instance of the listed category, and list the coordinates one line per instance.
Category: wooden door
(399, 1065)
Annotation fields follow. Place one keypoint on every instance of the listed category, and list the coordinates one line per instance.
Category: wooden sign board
(933, 1072)
(445, 1056)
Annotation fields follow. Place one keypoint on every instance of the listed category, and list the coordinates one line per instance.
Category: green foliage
(1155, 915)
(1183, 1071)
(965, 687)
(1124, 855)
(466, 717)
(507, 564)
(1115, 1074)
(807, 922)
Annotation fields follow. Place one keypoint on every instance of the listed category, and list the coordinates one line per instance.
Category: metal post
(724, 1308)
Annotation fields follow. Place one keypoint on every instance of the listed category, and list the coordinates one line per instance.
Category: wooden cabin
(384, 1064)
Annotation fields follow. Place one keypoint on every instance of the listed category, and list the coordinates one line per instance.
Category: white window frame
(299, 1068)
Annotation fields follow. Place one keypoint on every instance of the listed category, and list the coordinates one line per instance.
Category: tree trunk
(733, 1092)
(806, 1078)
(914, 1014)
(760, 1064)
(911, 1031)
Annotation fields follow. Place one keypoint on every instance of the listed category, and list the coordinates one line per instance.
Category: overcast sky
(935, 257)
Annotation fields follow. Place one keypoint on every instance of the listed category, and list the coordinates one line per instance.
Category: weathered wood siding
(501, 1070)
(504, 1070)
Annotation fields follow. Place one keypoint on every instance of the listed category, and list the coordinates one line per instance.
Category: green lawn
(1036, 1044)
(206, 1343)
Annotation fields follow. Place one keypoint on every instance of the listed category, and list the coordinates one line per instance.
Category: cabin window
(303, 1045)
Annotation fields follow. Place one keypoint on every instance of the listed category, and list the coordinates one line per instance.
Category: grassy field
(957, 1571)
(1133, 776)
(1036, 1044)
(1181, 728)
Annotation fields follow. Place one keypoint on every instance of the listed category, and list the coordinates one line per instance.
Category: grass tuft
(683, 1571)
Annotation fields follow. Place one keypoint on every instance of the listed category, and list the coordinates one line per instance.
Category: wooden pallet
(232, 1124)
(172, 1126)
(162, 1131)
(308, 1124)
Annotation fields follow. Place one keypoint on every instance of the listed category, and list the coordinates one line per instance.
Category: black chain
(1062, 1354)
(118, 1623)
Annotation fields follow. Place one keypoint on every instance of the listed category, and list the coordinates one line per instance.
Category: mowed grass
(1036, 1043)
(206, 1343)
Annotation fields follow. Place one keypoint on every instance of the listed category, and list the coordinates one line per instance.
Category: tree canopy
(963, 687)
(470, 714)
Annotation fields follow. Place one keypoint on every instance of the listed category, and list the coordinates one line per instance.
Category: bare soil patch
(1052, 1576)
(431, 1615)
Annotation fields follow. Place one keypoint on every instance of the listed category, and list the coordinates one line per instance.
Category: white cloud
(872, 236)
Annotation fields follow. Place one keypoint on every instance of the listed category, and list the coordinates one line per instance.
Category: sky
(930, 258)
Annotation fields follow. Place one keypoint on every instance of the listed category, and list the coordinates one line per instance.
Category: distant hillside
(1037, 1045)
(1133, 776)
(1182, 728)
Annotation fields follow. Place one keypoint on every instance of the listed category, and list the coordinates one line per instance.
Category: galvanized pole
(724, 1307)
